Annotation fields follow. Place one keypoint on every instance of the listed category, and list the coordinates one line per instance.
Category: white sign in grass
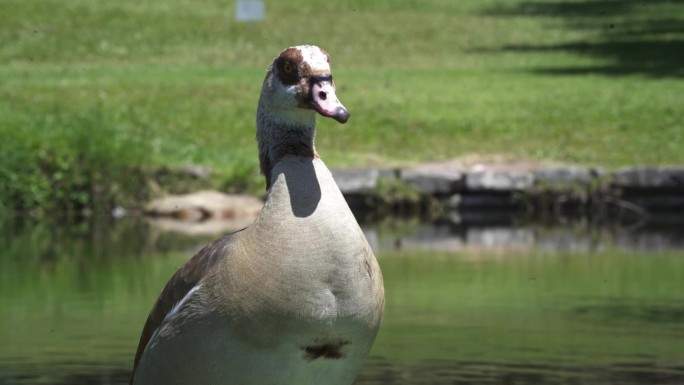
(249, 10)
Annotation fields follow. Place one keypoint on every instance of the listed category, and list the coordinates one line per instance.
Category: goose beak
(324, 100)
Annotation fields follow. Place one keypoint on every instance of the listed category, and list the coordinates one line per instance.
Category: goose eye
(288, 68)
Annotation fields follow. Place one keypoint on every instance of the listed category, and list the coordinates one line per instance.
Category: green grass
(94, 90)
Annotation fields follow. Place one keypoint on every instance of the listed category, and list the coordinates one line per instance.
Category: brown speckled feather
(187, 277)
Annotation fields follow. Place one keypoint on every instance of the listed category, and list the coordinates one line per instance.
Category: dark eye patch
(291, 58)
(287, 77)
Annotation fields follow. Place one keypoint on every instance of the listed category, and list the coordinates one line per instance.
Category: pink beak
(324, 100)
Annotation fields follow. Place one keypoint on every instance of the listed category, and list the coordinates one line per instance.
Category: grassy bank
(94, 92)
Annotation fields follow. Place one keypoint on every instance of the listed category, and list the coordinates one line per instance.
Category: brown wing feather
(179, 285)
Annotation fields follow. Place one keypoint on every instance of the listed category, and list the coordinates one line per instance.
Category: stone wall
(521, 185)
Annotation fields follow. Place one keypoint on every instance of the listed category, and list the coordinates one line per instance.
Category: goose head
(298, 86)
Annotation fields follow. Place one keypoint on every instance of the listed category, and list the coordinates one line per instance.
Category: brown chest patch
(329, 350)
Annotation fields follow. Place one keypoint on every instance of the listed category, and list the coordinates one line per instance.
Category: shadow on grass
(631, 36)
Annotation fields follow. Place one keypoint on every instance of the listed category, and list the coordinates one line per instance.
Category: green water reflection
(74, 297)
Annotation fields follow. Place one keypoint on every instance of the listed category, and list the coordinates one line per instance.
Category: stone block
(433, 182)
(204, 205)
(360, 180)
(649, 178)
(499, 180)
(566, 176)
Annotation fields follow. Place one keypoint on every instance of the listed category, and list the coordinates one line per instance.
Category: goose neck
(278, 136)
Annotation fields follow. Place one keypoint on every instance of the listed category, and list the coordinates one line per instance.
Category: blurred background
(102, 102)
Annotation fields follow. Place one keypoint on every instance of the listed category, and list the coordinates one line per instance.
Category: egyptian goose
(296, 297)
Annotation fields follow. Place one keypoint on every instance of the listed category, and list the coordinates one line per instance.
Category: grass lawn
(92, 90)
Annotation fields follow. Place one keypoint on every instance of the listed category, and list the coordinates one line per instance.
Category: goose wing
(180, 284)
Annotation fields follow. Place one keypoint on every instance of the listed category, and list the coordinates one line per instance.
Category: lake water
(485, 304)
